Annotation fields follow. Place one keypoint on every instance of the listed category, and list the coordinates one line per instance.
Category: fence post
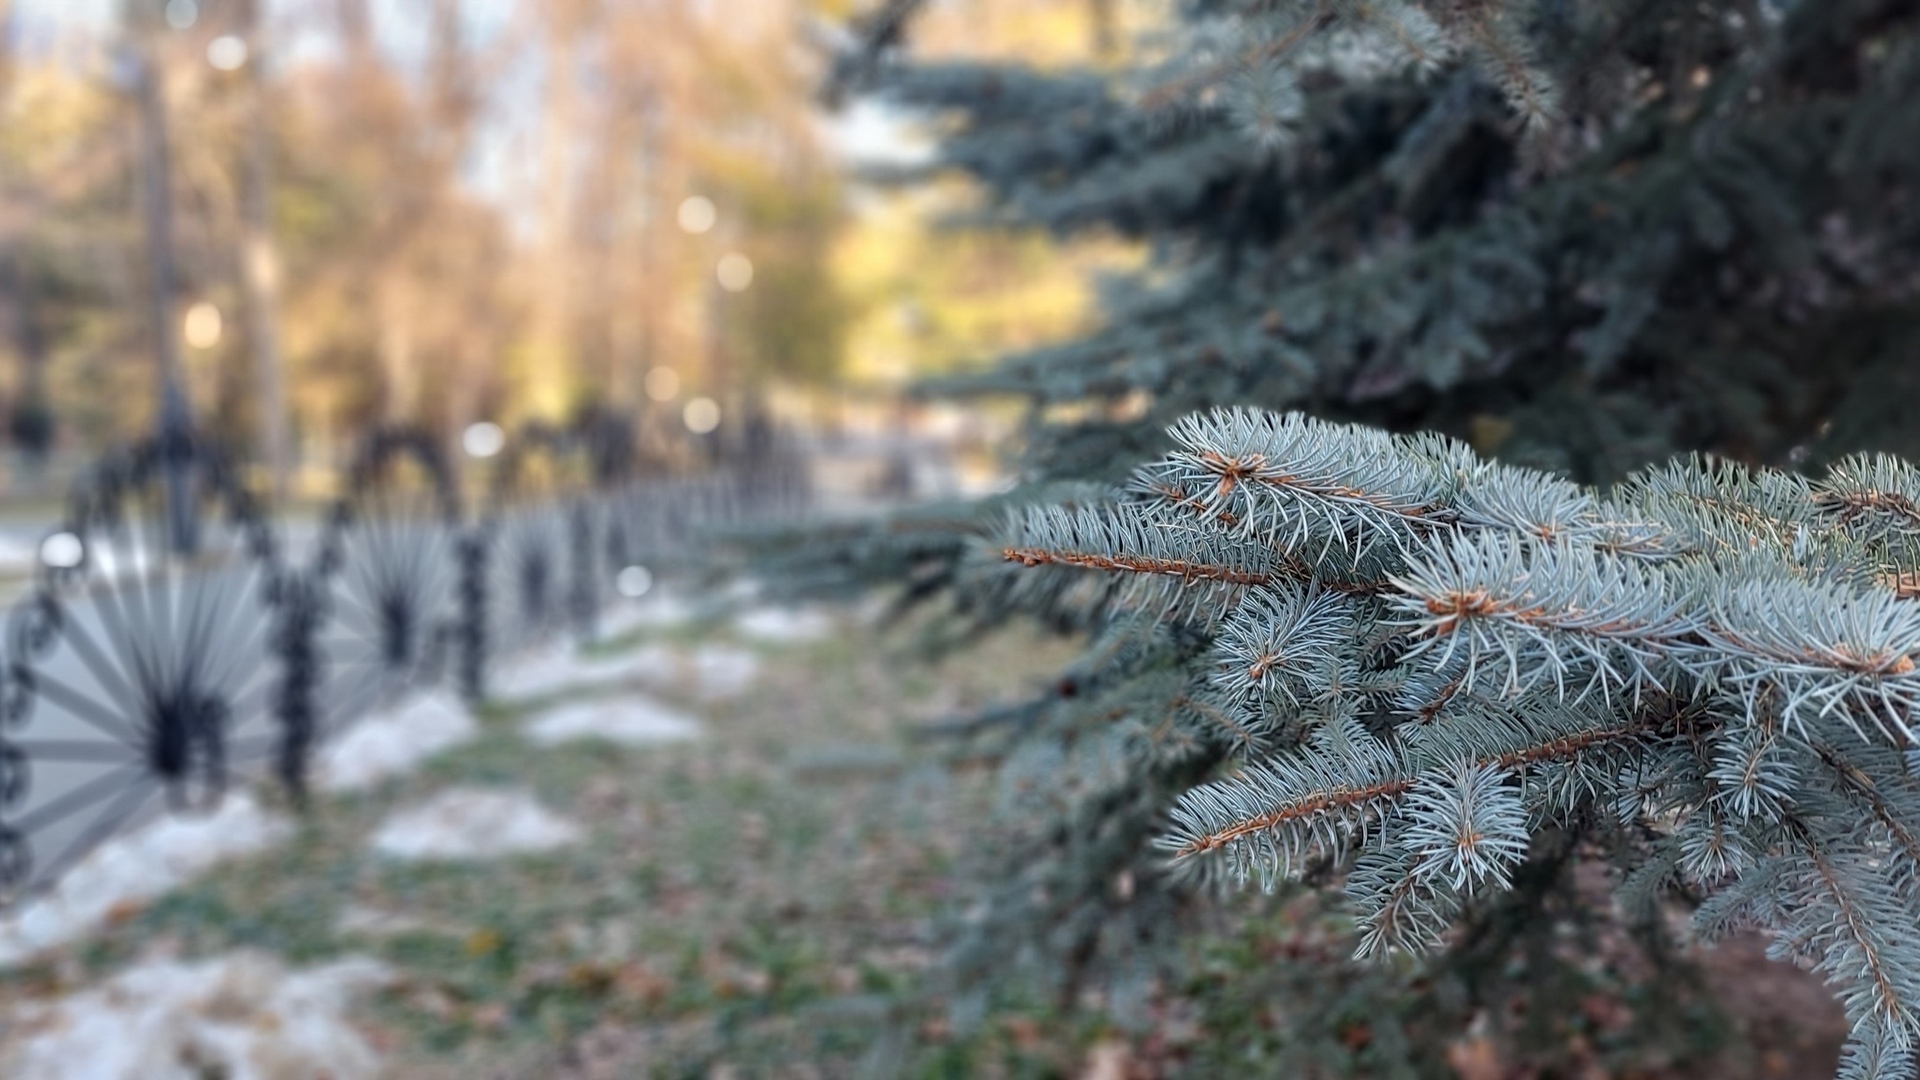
(473, 614)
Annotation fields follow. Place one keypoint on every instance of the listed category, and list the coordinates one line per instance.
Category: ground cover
(748, 883)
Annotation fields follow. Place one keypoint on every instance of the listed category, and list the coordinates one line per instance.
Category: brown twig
(1135, 564)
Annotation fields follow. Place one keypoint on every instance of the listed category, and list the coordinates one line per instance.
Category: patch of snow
(720, 671)
(654, 612)
(393, 741)
(129, 870)
(470, 823)
(243, 1016)
(373, 922)
(547, 673)
(18, 555)
(630, 721)
(534, 674)
(711, 671)
(787, 625)
(658, 665)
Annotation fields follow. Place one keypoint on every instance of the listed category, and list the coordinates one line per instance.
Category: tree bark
(260, 263)
(554, 367)
(156, 189)
(156, 196)
(1103, 20)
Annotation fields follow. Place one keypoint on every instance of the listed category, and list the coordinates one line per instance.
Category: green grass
(763, 902)
(758, 899)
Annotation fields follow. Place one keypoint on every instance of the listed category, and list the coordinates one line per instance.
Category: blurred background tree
(441, 210)
(435, 211)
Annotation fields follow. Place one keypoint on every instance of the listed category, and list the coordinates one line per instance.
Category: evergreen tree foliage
(1580, 235)
(1415, 660)
(1582, 238)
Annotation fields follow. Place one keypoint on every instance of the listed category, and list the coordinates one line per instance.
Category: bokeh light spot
(735, 272)
(62, 551)
(202, 326)
(227, 52)
(663, 384)
(697, 214)
(633, 581)
(701, 415)
(483, 440)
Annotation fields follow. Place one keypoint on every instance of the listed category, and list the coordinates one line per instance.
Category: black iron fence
(178, 639)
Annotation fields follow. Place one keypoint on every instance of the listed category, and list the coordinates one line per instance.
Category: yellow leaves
(1047, 34)
(482, 942)
(930, 299)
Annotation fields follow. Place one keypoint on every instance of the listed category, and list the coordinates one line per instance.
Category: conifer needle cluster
(1418, 659)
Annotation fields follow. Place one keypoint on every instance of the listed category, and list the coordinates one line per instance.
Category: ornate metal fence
(174, 641)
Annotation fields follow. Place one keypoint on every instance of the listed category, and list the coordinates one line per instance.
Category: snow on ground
(471, 823)
(132, 869)
(632, 720)
(242, 1016)
(376, 922)
(721, 671)
(534, 674)
(711, 671)
(393, 741)
(18, 555)
(656, 611)
(786, 625)
(560, 668)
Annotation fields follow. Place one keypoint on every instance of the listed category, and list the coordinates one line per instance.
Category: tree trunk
(1106, 32)
(156, 191)
(260, 262)
(551, 376)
